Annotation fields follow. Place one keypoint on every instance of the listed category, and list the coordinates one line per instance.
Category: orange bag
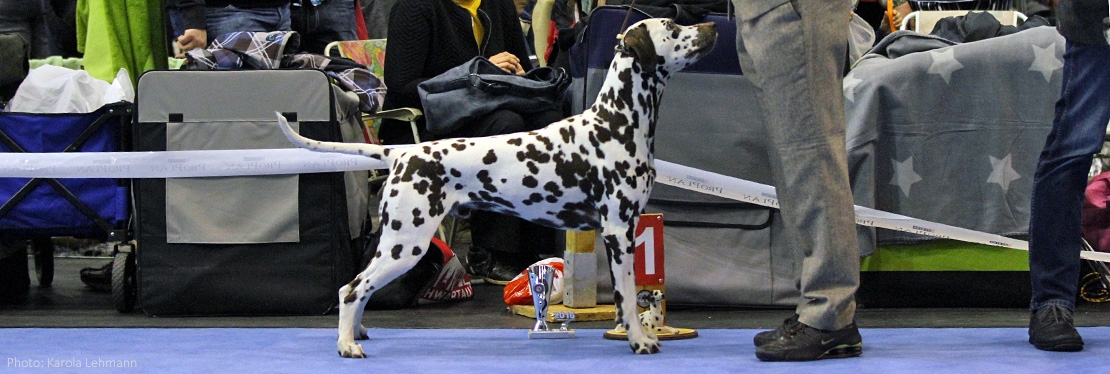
(517, 291)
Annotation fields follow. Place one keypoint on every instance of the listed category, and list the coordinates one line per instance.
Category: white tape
(179, 164)
(191, 164)
(738, 189)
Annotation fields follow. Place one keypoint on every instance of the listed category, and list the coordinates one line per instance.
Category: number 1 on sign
(649, 250)
(647, 239)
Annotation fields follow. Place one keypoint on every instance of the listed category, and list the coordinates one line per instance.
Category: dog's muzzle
(707, 38)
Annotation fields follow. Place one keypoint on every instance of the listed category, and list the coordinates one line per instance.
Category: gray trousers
(794, 52)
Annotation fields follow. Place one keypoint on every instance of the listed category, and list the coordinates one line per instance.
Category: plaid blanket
(267, 50)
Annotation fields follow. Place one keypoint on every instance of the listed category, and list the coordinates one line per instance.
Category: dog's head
(660, 43)
(649, 298)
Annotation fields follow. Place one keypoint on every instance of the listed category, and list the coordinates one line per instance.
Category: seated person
(427, 38)
(198, 22)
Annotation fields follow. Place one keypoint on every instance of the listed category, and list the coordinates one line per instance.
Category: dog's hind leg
(619, 244)
(394, 256)
(350, 317)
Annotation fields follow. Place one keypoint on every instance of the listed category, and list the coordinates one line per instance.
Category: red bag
(1096, 215)
(452, 283)
(517, 292)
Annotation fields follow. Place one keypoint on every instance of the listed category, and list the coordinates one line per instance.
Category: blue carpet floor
(273, 350)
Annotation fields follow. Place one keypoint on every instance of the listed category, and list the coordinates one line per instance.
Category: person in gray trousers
(794, 52)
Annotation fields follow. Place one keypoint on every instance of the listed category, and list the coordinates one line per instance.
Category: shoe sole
(840, 351)
(844, 351)
(1061, 347)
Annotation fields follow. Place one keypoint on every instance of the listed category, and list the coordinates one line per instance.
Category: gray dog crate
(244, 245)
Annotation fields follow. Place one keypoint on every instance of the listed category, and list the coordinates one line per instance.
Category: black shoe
(99, 279)
(501, 274)
(477, 262)
(803, 343)
(1051, 329)
(772, 335)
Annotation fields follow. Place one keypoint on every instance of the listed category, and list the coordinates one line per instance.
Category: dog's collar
(624, 26)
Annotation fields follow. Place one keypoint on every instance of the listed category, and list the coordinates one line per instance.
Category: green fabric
(115, 34)
(74, 63)
(77, 63)
(945, 255)
(175, 63)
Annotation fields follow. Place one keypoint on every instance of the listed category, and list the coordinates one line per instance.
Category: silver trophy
(539, 280)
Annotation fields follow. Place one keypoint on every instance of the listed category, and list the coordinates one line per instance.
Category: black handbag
(474, 89)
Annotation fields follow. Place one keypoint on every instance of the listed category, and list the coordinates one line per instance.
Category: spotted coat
(592, 171)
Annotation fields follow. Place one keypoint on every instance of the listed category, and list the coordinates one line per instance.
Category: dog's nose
(707, 33)
(707, 30)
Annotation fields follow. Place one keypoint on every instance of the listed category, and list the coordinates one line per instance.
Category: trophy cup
(539, 280)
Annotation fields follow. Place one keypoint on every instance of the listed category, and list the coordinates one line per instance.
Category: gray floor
(68, 303)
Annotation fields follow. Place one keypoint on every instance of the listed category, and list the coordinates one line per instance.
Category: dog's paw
(362, 334)
(644, 348)
(351, 350)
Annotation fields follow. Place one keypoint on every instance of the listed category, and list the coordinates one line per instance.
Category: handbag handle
(475, 76)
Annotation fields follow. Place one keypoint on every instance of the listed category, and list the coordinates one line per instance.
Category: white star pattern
(1002, 172)
(850, 84)
(944, 63)
(1045, 61)
(904, 176)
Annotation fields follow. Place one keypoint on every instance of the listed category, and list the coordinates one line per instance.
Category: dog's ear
(637, 41)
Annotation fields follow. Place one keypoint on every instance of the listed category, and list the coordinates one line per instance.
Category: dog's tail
(368, 150)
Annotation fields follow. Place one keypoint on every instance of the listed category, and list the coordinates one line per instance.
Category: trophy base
(550, 334)
(678, 335)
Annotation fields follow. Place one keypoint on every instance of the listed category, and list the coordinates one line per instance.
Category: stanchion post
(580, 270)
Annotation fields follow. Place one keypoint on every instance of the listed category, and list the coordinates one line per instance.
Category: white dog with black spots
(592, 171)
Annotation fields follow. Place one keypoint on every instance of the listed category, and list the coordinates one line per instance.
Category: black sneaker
(501, 274)
(477, 262)
(803, 343)
(772, 335)
(1051, 329)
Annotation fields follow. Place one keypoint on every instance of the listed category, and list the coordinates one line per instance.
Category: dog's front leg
(620, 246)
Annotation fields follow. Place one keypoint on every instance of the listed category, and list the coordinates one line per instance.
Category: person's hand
(898, 17)
(192, 39)
(900, 13)
(507, 62)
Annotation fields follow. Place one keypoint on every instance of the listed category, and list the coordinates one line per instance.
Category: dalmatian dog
(592, 171)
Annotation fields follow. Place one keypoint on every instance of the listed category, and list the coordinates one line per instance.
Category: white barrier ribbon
(179, 164)
(741, 190)
(225, 163)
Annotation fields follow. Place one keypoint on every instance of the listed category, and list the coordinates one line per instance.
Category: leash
(620, 36)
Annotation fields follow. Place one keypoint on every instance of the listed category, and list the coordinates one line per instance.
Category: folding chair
(928, 12)
(372, 54)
